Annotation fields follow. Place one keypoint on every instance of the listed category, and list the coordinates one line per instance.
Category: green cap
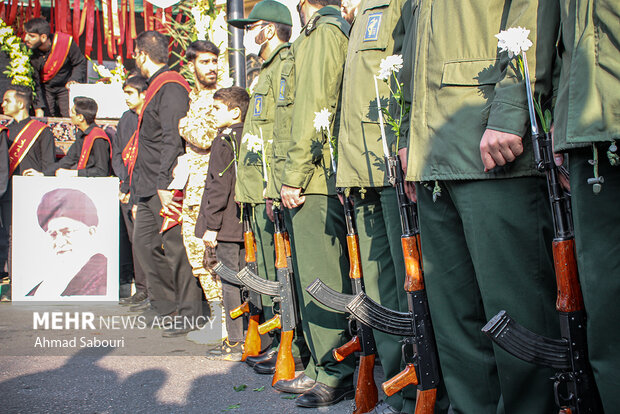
(268, 10)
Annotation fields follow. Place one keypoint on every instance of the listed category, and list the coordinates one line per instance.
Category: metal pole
(236, 52)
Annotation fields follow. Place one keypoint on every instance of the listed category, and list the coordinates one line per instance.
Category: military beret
(67, 202)
(268, 10)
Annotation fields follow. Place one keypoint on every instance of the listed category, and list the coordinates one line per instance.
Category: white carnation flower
(389, 65)
(321, 120)
(253, 142)
(103, 71)
(514, 41)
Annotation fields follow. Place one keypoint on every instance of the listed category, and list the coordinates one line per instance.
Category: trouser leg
(150, 254)
(62, 102)
(486, 247)
(232, 255)
(138, 273)
(597, 239)
(318, 244)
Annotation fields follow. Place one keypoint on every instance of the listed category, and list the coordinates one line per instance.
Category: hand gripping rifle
(252, 303)
(574, 386)
(283, 292)
(363, 341)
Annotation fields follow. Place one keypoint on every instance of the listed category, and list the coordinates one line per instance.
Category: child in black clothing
(218, 223)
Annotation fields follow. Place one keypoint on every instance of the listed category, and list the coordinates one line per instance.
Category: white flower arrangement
(20, 70)
(514, 41)
(390, 65)
(322, 124)
(253, 143)
(116, 75)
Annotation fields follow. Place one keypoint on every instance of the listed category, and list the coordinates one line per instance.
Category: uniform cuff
(509, 117)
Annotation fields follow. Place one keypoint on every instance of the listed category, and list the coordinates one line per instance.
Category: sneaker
(136, 299)
(227, 352)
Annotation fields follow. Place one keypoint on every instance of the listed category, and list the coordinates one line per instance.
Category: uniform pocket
(471, 72)
(375, 18)
(257, 110)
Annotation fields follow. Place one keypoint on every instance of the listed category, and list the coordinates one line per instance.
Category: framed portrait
(65, 239)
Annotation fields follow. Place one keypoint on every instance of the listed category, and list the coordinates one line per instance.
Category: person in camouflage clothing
(198, 130)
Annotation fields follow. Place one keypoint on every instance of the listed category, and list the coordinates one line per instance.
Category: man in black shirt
(90, 154)
(59, 62)
(30, 144)
(135, 90)
(172, 286)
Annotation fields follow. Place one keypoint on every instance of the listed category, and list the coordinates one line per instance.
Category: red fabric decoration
(89, 12)
(76, 20)
(99, 43)
(13, 14)
(37, 8)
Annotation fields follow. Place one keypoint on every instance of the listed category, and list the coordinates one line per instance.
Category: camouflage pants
(194, 246)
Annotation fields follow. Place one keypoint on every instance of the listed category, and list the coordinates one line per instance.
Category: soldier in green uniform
(269, 25)
(302, 172)
(587, 127)
(377, 32)
(484, 212)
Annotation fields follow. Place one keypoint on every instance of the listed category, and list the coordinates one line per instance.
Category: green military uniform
(311, 81)
(586, 113)
(486, 239)
(377, 32)
(250, 187)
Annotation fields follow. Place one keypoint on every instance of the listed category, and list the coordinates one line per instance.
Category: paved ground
(170, 375)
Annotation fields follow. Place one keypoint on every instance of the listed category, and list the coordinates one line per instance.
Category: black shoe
(297, 385)
(253, 360)
(142, 306)
(321, 396)
(136, 299)
(173, 332)
(267, 367)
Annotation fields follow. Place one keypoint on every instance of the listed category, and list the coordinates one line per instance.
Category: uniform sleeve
(509, 110)
(100, 153)
(218, 186)
(118, 166)
(78, 63)
(318, 87)
(171, 110)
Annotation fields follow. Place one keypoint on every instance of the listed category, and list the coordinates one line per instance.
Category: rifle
(574, 387)
(252, 301)
(283, 292)
(363, 341)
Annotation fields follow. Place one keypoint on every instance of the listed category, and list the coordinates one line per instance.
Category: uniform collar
(274, 54)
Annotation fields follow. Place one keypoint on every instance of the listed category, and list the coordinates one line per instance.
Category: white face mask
(249, 42)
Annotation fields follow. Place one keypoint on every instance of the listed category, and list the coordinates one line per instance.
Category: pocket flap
(471, 72)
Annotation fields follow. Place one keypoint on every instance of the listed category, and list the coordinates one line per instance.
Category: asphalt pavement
(149, 374)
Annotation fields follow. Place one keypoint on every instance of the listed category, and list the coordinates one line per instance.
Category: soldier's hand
(409, 185)
(291, 197)
(39, 113)
(269, 208)
(134, 211)
(499, 148)
(210, 238)
(167, 202)
(558, 159)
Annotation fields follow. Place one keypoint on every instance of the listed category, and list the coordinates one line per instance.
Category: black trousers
(57, 99)
(138, 273)
(232, 255)
(169, 276)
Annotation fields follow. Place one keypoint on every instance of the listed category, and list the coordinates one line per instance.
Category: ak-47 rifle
(252, 301)
(574, 386)
(363, 340)
(283, 292)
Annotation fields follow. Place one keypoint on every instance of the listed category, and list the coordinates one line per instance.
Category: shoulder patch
(282, 89)
(258, 105)
(372, 27)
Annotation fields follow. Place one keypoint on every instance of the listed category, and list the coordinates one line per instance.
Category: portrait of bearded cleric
(70, 221)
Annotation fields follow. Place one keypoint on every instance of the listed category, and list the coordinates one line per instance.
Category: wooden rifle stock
(366, 394)
(347, 349)
(425, 401)
(270, 325)
(414, 280)
(252, 338)
(285, 364)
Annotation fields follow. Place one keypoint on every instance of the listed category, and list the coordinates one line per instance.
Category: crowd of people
(197, 156)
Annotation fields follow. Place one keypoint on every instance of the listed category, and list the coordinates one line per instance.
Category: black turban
(67, 202)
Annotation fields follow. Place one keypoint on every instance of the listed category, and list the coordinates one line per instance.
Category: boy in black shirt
(218, 223)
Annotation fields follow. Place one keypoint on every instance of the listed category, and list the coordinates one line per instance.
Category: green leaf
(289, 397)
(259, 389)
(233, 406)
(241, 387)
